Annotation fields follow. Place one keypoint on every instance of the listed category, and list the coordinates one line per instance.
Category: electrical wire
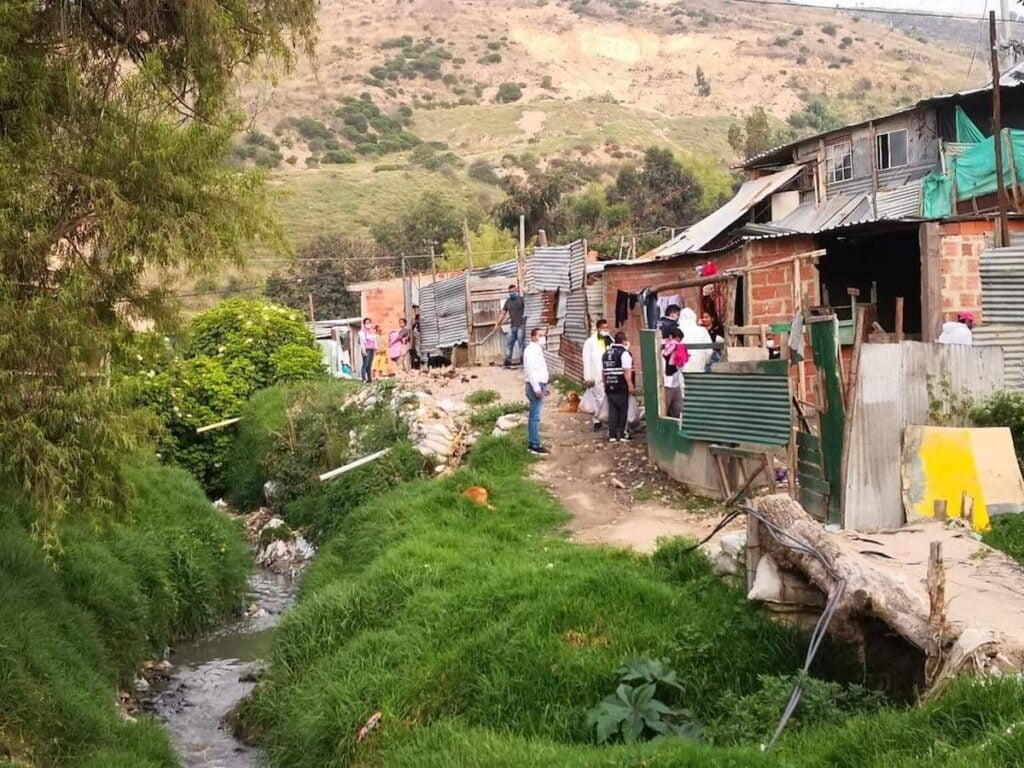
(885, 11)
(820, 629)
(974, 50)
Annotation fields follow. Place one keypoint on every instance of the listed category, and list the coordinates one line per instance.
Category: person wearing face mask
(694, 334)
(535, 371)
(515, 310)
(617, 368)
(593, 353)
(368, 347)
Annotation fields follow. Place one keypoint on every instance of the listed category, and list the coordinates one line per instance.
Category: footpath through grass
(73, 630)
(484, 639)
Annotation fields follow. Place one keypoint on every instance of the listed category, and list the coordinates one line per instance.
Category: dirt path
(614, 495)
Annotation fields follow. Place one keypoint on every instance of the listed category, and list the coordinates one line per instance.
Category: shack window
(839, 161)
(892, 149)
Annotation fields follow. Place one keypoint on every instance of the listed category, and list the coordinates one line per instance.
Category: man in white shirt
(535, 371)
(593, 353)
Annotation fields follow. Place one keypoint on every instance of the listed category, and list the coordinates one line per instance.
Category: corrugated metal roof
(746, 408)
(892, 392)
(1010, 338)
(695, 237)
(1002, 285)
(548, 268)
(845, 210)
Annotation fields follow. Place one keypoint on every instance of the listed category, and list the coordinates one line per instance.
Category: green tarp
(971, 171)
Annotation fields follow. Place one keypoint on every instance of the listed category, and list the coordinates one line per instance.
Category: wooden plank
(352, 465)
(807, 440)
(218, 425)
(815, 484)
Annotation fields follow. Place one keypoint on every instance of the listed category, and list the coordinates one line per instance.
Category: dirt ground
(613, 493)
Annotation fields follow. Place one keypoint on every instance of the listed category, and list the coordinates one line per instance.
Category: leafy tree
(756, 135)
(660, 194)
(490, 245)
(817, 117)
(434, 219)
(535, 197)
(325, 268)
(703, 84)
(115, 121)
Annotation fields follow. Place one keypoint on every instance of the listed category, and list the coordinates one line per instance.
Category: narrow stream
(212, 674)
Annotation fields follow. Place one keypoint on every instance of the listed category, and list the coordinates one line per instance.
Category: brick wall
(962, 243)
(632, 278)
(770, 291)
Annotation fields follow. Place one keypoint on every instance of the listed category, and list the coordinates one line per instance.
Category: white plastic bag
(602, 412)
(588, 403)
(633, 411)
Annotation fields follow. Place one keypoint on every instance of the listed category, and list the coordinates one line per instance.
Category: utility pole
(1008, 57)
(1003, 238)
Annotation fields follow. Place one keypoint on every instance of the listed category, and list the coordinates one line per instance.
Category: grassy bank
(289, 434)
(74, 630)
(484, 639)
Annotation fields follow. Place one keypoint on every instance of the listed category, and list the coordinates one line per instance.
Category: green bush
(485, 418)
(481, 170)
(509, 92)
(245, 334)
(829, 29)
(75, 628)
(297, 362)
(290, 434)
(482, 397)
(232, 350)
(1007, 535)
(753, 718)
(1004, 409)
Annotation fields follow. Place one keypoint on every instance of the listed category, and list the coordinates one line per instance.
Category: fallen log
(961, 609)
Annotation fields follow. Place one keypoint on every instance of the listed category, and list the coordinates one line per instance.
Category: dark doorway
(882, 266)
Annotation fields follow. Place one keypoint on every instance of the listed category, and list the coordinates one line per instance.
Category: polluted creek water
(213, 674)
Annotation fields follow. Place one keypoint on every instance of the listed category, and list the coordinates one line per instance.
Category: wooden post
(874, 169)
(542, 238)
(851, 396)
(470, 327)
(352, 465)
(1003, 237)
(931, 280)
(521, 255)
(967, 508)
(312, 316)
(941, 509)
(899, 319)
(437, 319)
(729, 320)
(936, 611)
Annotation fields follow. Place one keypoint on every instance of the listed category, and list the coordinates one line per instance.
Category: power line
(885, 11)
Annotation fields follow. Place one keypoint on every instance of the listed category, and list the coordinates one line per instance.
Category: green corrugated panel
(747, 408)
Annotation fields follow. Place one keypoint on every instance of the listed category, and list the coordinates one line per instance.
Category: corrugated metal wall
(443, 321)
(1002, 307)
(892, 392)
(745, 408)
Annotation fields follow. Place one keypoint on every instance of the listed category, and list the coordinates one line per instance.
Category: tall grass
(73, 629)
(484, 638)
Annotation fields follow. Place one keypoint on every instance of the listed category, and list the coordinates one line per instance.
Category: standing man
(593, 355)
(535, 371)
(515, 310)
(669, 321)
(618, 386)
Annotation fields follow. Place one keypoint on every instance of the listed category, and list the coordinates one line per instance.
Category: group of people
(401, 347)
(687, 347)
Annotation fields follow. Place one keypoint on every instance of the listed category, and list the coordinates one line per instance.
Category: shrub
(291, 160)
(829, 29)
(1004, 409)
(481, 170)
(339, 157)
(297, 362)
(781, 42)
(313, 161)
(485, 418)
(1007, 535)
(752, 718)
(482, 397)
(310, 128)
(509, 92)
(546, 83)
(269, 159)
(490, 58)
